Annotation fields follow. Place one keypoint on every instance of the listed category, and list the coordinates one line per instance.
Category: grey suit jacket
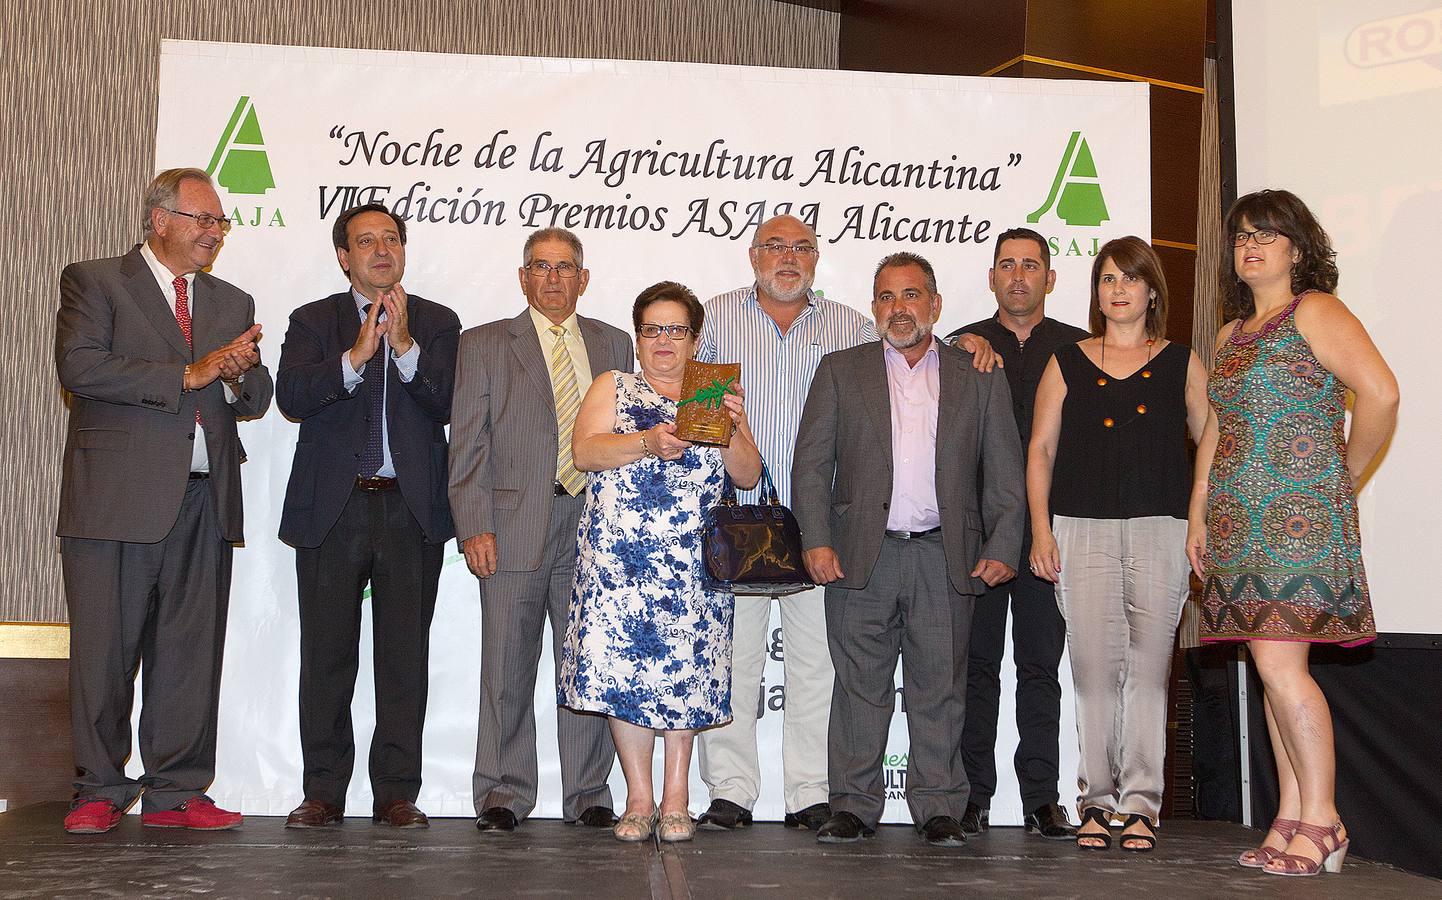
(503, 432)
(842, 472)
(121, 354)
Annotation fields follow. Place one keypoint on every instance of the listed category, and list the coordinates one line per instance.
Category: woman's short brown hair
(1285, 213)
(676, 293)
(1134, 257)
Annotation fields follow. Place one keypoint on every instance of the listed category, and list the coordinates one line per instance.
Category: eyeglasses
(542, 269)
(205, 220)
(776, 248)
(1263, 236)
(674, 332)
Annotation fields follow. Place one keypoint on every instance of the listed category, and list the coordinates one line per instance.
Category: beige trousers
(1123, 583)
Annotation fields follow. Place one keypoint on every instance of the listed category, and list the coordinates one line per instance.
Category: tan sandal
(634, 828)
(676, 827)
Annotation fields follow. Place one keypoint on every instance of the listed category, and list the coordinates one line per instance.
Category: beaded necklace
(1102, 380)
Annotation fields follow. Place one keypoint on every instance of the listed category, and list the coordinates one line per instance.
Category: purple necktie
(373, 457)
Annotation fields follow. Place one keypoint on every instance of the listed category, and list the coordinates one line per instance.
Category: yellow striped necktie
(568, 400)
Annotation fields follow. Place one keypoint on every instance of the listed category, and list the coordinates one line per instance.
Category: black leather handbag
(755, 549)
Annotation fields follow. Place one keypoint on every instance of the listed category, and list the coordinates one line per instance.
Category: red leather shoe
(197, 814)
(92, 817)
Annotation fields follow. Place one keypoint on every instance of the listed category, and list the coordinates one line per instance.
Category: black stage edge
(550, 859)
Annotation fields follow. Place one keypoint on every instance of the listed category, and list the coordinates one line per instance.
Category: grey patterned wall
(79, 89)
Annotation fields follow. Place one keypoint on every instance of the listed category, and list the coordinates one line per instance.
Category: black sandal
(1147, 842)
(1101, 817)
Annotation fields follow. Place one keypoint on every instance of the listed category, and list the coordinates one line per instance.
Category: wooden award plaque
(701, 417)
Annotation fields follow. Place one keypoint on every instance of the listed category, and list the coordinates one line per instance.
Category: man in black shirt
(1021, 276)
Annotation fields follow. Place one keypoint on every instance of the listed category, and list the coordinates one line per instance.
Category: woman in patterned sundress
(1273, 520)
(648, 642)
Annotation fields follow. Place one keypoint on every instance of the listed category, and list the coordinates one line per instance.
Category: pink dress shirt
(915, 392)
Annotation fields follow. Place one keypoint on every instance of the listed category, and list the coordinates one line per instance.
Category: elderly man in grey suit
(894, 524)
(160, 359)
(515, 496)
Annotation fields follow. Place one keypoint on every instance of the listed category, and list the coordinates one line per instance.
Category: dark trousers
(376, 540)
(1038, 636)
(163, 604)
(908, 609)
(515, 607)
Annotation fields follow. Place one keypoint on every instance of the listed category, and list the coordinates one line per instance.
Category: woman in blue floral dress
(648, 643)
(1273, 522)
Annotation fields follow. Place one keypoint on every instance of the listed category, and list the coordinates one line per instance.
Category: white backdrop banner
(664, 170)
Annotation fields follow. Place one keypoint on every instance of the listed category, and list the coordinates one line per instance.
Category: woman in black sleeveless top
(1108, 460)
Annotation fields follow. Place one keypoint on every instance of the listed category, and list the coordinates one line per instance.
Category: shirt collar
(162, 272)
(544, 325)
(892, 353)
(362, 301)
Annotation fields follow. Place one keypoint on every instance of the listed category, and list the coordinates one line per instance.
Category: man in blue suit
(368, 373)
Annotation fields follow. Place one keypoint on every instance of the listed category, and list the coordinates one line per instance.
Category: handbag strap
(767, 486)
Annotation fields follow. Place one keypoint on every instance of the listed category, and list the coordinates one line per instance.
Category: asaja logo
(240, 165)
(239, 162)
(1081, 202)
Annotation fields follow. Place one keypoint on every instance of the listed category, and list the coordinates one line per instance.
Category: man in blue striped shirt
(778, 329)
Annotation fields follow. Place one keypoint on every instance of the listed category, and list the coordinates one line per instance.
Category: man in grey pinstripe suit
(515, 498)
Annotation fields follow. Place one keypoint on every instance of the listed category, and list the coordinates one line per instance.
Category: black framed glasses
(205, 220)
(1263, 236)
(674, 332)
(542, 269)
(776, 248)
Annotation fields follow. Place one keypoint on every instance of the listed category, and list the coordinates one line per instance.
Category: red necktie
(182, 316)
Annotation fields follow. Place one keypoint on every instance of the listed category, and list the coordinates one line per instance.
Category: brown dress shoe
(314, 814)
(401, 814)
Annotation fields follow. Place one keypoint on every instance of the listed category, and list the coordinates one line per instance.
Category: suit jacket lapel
(597, 353)
(951, 402)
(204, 332)
(875, 393)
(526, 348)
(146, 292)
(347, 320)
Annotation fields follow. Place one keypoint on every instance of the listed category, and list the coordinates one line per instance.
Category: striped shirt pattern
(776, 369)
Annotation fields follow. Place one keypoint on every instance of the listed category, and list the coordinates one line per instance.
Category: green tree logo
(239, 162)
(1081, 198)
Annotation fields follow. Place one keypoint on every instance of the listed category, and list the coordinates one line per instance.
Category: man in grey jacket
(160, 360)
(896, 525)
(515, 496)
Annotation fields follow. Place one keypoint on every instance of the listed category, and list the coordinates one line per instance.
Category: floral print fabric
(646, 641)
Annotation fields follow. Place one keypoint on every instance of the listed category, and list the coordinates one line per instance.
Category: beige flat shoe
(676, 827)
(634, 828)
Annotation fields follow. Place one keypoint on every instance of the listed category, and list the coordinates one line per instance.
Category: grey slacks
(1123, 583)
(164, 605)
(909, 608)
(514, 610)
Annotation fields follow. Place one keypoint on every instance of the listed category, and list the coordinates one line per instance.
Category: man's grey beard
(773, 290)
(922, 332)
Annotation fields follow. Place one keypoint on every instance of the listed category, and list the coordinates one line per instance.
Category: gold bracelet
(645, 451)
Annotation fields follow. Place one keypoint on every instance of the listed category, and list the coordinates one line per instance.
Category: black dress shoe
(810, 818)
(597, 817)
(943, 831)
(1051, 823)
(843, 828)
(975, 820)
(723, 815)
(497, 818)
